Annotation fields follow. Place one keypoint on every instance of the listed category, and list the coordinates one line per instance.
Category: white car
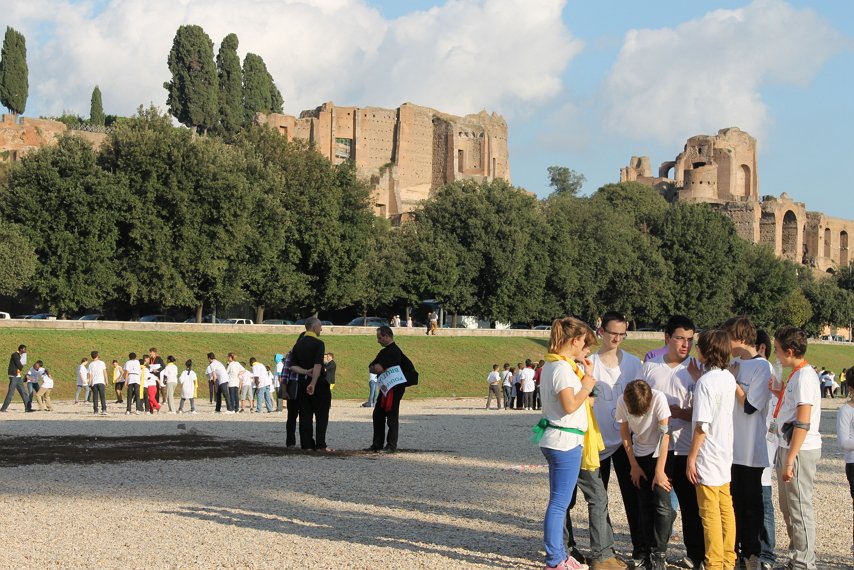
(4, 316)
(238, 322)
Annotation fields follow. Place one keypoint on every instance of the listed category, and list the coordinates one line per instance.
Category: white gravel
(470, 494)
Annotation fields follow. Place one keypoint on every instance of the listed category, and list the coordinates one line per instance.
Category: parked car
(4, 316)
(156, 319)
(519, 326)
(277, 322)
(302, 322)
(543, 328)
(43, 317)
(238, 322)
(91, 317)
(368, 322)
(206, 319)
(835, 337)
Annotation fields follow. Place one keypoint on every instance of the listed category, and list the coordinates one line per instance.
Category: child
(118, 381)
(188, 381)
(767, 534)
(710, 459)
(43, 395)
(845, 435)
(560, 432)
(131, 375)
(796, 420)
(247, 384)
(169, 378)
(82, 382)
(644, 416)
(750, 450)
(151, 385)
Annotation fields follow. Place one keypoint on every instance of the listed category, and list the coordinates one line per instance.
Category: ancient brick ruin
(20, 135)
(406, 153)
(722, 170)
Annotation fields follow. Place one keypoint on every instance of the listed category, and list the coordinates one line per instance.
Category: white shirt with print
(610, 384)
(714, 402)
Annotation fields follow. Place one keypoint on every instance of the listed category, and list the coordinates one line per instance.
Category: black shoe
(373, 448)
(658, 561)
(390, 449)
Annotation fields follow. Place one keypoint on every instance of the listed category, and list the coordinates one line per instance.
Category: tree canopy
(260, 94)
(14, 74)
(565, 180)
(193, 91)
(96, 108)
(230, 76)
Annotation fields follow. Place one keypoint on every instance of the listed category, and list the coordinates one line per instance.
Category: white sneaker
(127, 413)
(193, 411)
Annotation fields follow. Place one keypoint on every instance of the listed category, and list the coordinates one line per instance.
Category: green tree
(767, 282)
(76, 236)
(830, 304)
(14, 74)
(704, 256)
(432, 267)
(260, 94)
(96, 108)
(193, 90)
(21, 260)
(230, 85)
(793, 310)
(565, 180)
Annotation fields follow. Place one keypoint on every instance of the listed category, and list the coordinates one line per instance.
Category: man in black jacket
(15, 380)
(387, 409)
(314, 397)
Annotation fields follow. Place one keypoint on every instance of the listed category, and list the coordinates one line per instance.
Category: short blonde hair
(568, 328)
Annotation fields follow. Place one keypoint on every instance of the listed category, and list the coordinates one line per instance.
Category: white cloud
(461, 57)
(706, 74)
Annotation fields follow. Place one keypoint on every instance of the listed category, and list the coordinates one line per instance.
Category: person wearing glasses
(613, 368)
(675, 373)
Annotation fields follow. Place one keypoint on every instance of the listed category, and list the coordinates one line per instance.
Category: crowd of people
(666, 426)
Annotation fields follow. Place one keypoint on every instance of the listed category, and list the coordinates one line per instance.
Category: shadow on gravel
(17, 450)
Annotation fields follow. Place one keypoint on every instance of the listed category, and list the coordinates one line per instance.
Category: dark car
(91, 317)
(519, 326)
(368, 322)
(156, 319)
(277, 322)
(302, 322)
(43, 316)
(206, 319)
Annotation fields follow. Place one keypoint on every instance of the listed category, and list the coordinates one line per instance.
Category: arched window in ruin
(843, 249)
(827, 242)
(768, 230)
(461, 164)
(743, 180)
(790, 236)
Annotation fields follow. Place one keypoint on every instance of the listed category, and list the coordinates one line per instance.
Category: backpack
(408, 370)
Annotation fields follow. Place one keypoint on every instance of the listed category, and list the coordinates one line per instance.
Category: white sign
(390, 378)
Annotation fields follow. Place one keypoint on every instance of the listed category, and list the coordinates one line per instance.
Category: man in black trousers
(15, 380)
(314, 397)
(387, 409)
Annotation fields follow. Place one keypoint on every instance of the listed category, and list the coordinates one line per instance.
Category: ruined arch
(768, 230)
(744, 181)
(843, 248)
(790, 236)
(827, 238)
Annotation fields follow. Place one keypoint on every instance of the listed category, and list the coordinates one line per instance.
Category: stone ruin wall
(722, 170)
(21, 135)
(406, 153)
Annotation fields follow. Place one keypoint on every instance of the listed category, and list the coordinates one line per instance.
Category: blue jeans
(563, 475)
(263, 393)
(767, 539)
(372, 396)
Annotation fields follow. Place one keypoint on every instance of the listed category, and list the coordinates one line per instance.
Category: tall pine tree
(193, 90)
(14, 80)
(96, 108)
(260, 94)
(230, 85)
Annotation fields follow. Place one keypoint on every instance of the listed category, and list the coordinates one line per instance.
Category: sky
(583, 84)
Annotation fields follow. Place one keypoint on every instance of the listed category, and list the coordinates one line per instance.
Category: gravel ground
(467, 490)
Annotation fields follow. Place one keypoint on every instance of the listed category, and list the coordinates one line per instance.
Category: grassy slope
(448, 366)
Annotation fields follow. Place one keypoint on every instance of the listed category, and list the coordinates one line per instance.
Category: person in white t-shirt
(169, 378)
(767, 534)
(247, 388)
(797, 424)
(674, 373)
(235, 373)
(845, 437)
(43, 395)
(564, 388)
(528, 385)
(132, 374)
(643, 415)
(507, 385)
(710, 460)
(493, 380)
(97, 376)
(151, 383)
(750, 450)
(613, 369)
(263, 381)
(189, 385)
(82, 381)
(219, 375)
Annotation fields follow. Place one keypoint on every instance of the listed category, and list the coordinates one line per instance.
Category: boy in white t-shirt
(750, 450)
(767, 534)
(132, 376)
(493, 379)
(643, 415)
(796, 424)
(710, 460)
(97, 374)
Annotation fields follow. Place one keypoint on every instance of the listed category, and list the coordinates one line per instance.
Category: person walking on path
(97, 375)
(189, 384)
(43, 395)
(387, 409)
(15, 380)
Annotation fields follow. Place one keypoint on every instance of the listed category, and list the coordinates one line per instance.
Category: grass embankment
(448, 366)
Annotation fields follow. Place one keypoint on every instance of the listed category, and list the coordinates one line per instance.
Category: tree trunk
(213, 314)
(259, 314)
(200, 309)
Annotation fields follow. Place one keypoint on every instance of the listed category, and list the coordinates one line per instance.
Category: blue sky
(582, 84)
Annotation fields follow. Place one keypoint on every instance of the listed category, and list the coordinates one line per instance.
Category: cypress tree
(96, 108)
(260, 94)
(14, 80)
(193, 90)
(230, 85)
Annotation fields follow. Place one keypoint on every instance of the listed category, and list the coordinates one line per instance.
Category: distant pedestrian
(432, 322)
(132, 375)
(97, 376)
(169, 379)
(156, 366)
(189, 385)
(118, 380)
(263, 381)
(15, 380)
(43, 395)
(493, 379)
(528, 385)
(507, 384)
(152, 386)
(219, 376)
(34, 375)
(235, 373)
(329, 368)
(82, 382)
